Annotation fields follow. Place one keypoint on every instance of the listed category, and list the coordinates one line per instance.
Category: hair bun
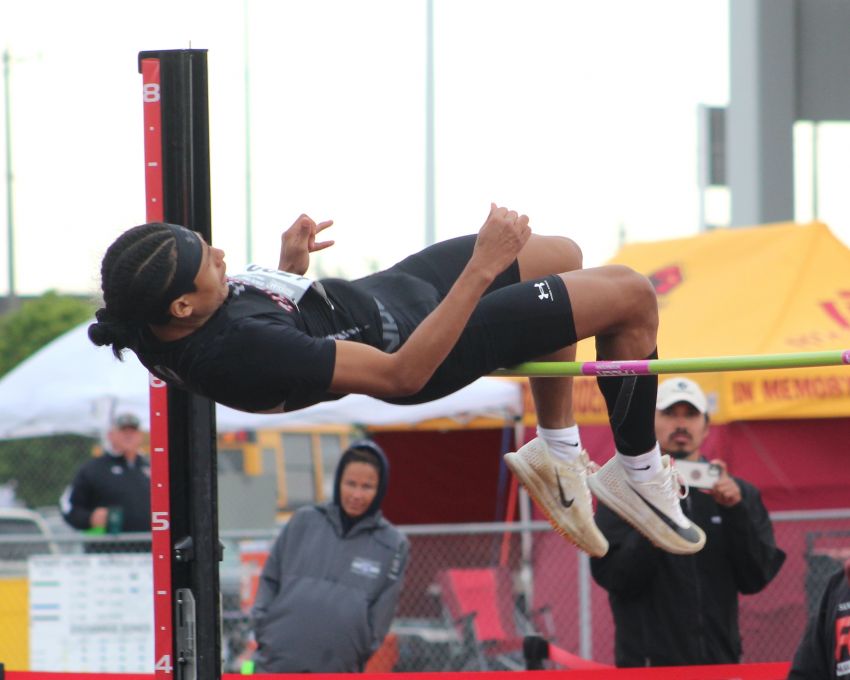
(107, 331)
(101, 333)
(103, 315)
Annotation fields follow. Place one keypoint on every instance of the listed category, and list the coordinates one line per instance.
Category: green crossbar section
(753, 362)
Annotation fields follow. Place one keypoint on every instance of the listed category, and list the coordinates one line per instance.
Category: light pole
(10, 210)
(246, 53)
(430, 228)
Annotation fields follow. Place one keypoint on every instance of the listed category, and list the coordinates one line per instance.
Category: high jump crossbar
(751, 362)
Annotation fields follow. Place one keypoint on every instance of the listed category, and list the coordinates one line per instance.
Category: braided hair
(135, 273)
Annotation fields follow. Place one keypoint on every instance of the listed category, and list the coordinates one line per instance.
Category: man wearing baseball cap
(111, 493)
(676, 610)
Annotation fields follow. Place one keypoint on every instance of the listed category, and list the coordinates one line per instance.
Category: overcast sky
(580, 114)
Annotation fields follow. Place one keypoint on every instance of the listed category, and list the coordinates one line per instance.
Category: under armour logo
(544, 292)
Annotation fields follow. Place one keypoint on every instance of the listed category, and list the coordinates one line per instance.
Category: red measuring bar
(160, 488)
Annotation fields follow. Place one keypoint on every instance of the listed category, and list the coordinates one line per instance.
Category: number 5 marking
(159, 521)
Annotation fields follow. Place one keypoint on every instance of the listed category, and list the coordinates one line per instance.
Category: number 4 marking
(164, 664)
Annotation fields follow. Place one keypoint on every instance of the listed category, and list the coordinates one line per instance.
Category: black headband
(190, 252)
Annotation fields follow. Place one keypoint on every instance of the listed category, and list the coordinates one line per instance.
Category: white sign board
(91, 613)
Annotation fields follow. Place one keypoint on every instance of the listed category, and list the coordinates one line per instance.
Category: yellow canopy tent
(761, 290)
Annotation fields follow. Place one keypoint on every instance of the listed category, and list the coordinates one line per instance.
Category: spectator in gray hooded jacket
(329, 589)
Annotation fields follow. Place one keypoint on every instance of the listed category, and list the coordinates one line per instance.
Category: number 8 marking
(150, 92)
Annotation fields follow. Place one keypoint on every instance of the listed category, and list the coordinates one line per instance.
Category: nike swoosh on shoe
(690, 534)
(639, 469)
(566, 503)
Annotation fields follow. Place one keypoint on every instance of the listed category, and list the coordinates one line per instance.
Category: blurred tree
(43, 466)
(36, 322)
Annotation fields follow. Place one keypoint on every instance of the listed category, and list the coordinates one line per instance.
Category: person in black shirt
(112, 492)
(678, 610)
(824, 650)
(269, 340)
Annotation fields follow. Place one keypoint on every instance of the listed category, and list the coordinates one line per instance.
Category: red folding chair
(480, 605)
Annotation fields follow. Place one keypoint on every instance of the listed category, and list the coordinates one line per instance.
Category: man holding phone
(677, 610)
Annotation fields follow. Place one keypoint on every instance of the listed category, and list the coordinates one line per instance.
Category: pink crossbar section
(758, 671)
(637, 367)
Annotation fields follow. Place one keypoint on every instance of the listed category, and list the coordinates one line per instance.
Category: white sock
(564, 442)
(644, 467)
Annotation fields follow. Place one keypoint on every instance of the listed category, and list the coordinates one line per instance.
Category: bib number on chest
(291, 286)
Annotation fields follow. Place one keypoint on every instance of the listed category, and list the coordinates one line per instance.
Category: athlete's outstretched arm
(363, 369)
(297, 242)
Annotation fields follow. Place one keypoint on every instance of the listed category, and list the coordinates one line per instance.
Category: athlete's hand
(500, 239)
(297, 242)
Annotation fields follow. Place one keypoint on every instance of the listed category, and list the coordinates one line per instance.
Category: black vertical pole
(192, 468)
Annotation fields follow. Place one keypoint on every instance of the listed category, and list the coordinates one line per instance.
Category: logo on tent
(666, 279)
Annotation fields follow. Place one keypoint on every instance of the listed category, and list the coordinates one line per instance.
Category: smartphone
(698, 473)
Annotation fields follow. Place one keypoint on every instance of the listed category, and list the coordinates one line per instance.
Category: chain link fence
(73, 602)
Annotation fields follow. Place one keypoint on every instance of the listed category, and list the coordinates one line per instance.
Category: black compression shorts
(514, 321)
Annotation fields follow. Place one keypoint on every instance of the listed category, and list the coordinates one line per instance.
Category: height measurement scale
(184, 494)
(160, 486)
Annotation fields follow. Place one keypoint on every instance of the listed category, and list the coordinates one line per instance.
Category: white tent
(71, 386)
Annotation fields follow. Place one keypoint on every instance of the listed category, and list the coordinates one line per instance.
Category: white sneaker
(651, 507)
(560, 491)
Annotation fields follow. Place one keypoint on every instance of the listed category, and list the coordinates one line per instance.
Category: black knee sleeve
(631, 410)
